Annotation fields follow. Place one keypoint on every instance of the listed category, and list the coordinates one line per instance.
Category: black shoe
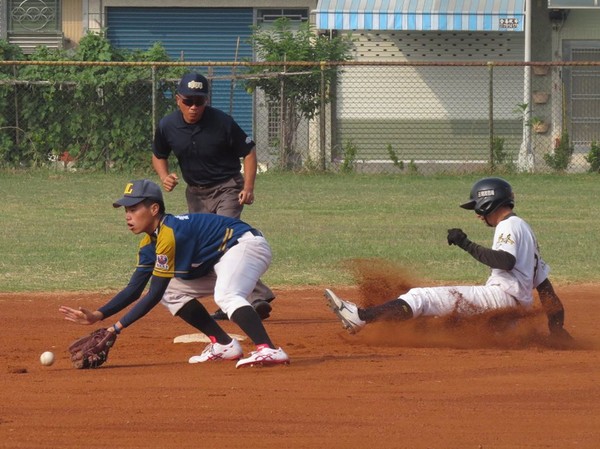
(219, 315)
(263, 308)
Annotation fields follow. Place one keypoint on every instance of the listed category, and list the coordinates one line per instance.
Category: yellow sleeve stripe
(168, 274)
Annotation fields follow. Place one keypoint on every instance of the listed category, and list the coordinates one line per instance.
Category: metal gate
(193, 34)
(583, 94)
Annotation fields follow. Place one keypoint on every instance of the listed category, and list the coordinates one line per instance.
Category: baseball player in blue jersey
(186, 257)
(516, 269)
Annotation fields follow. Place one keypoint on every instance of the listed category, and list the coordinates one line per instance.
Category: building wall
(96, 8)
(2, 20)
(430, 85)
(541, 32)
(311, 4)
(581, 24)
(376, 46)
(72, 22)
(399, 105)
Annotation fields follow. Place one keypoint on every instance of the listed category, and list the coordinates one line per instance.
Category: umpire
(208, 145)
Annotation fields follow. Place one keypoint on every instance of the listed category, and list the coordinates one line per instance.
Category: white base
(201, 338)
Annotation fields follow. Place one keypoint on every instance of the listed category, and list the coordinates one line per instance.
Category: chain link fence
(349, 117)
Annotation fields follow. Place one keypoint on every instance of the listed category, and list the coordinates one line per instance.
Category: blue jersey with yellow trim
(187, 246)
(146, 254)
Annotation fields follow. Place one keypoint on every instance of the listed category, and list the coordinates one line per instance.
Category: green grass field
(59, 231)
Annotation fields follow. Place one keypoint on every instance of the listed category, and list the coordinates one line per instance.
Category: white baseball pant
(438, 301)
(233, 280)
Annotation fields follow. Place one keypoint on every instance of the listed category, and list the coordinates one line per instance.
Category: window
(34, 16)
(582, 85)
(270, 15)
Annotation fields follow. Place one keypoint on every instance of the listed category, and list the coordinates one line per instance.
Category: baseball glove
(92, 350)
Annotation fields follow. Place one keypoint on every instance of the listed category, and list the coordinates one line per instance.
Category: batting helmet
(488, 194)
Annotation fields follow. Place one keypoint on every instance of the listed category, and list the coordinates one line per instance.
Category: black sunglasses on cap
(191, 101)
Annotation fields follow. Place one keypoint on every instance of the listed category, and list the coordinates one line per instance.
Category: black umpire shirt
(208, 151)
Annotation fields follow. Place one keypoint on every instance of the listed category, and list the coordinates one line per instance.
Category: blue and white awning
(421, 15)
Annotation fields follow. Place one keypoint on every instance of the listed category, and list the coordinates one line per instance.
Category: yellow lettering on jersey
(508, 239)
(129, 188)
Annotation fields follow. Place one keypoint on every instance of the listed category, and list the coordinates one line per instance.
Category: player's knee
(174, 303)
(230, 302)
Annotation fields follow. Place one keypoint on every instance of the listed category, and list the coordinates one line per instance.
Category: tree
(299, 96)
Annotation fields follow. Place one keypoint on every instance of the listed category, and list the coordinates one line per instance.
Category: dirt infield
(429, 384)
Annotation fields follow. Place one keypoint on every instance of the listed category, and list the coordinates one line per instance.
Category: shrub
(98, 115)
(560, 158)
(593, 157)
(394, 157)
(350, 152)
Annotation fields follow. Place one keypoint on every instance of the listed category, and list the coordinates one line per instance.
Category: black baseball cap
(193, 85)
(138, 191)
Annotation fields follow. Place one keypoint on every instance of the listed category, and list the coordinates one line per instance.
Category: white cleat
(265, 357)
(215, 351)
(346, 311)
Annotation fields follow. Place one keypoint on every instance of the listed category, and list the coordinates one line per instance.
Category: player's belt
(254, 232)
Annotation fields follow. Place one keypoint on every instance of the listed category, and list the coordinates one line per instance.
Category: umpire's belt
(206, 186)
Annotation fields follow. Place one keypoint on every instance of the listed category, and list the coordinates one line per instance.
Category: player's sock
(394, 310)
(249, 321)
(196, 315)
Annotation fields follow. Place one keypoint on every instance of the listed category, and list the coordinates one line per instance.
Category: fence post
(209, 77)
(322, 127)
(233, 73)
(16, 94)
(154, 97)
(282, 130)
(491, 112)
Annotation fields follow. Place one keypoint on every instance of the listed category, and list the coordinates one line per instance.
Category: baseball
(47, 358)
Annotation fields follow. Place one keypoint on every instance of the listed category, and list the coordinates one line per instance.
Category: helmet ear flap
(487, 207)
(484, 208)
